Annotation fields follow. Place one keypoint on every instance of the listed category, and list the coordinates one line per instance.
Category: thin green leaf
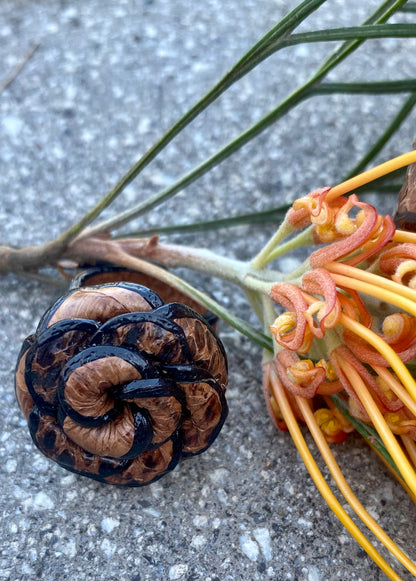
(266, 216)
(409, 7)
(242, 67)
(363, 32)
(402, 115)
(296, 97)
(360, 33)
(283, 29)
(380, 16)
(366, 431)
(361, 88)
(201, 169)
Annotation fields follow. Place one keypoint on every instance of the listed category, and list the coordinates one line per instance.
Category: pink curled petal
(330, 387)
(350, 243)
(291, 297)
(408, 354)
(364, 316)
(363, 351)
(299, 215)
(284, 360)
(383, 236)
(391, 258)
(318, 332)
(319, 281)
(320, 194)
(369, 355)
(298, 219)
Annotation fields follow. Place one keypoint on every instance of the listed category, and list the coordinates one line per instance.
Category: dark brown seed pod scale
(118, 385)
(405, 215)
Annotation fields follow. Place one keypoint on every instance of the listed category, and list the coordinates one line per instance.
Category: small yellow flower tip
(325, 234)
(292, 299)
(299, 377)
(302, 371)
(286, 333)
(284, 324)
(399, 331)
(299, 215)
(401, 423)
(344, 224)
(393, 325)
(389, 395)
(329, 370)
(406, 273)
(330, 425)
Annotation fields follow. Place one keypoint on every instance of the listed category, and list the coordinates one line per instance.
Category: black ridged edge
(192, 374)
(95, 353)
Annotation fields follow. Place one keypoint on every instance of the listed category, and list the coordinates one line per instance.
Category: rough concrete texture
(107, 80)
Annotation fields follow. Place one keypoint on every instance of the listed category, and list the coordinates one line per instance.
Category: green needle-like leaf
(363, 32)
(398, 120)
(361, 88)
(273, 215)
(309, 88)
(409, 7)
(242, 67)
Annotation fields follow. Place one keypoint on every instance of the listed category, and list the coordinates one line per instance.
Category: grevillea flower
(345, 340)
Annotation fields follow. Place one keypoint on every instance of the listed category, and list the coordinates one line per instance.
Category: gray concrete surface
(107, 79)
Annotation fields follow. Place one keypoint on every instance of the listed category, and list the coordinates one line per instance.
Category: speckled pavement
(107, 79)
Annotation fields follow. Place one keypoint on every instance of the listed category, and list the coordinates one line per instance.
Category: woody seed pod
(117, 385)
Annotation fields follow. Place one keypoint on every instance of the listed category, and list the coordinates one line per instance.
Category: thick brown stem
(29, 258)
(33, 258)
(137, 254)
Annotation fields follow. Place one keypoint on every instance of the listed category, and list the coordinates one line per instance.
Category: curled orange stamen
(299, 215)
(330, 424)
(372, 233)
(290, 297)
(321, 283)
(401, 423)
(392, 258)
(308, 377)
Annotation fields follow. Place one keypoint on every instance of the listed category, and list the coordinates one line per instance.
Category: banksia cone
(117, 385)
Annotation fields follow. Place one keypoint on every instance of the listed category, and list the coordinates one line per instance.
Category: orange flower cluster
(345, 344)
(349, 324)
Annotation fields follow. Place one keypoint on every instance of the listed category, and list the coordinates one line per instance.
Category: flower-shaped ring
(117, 385)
